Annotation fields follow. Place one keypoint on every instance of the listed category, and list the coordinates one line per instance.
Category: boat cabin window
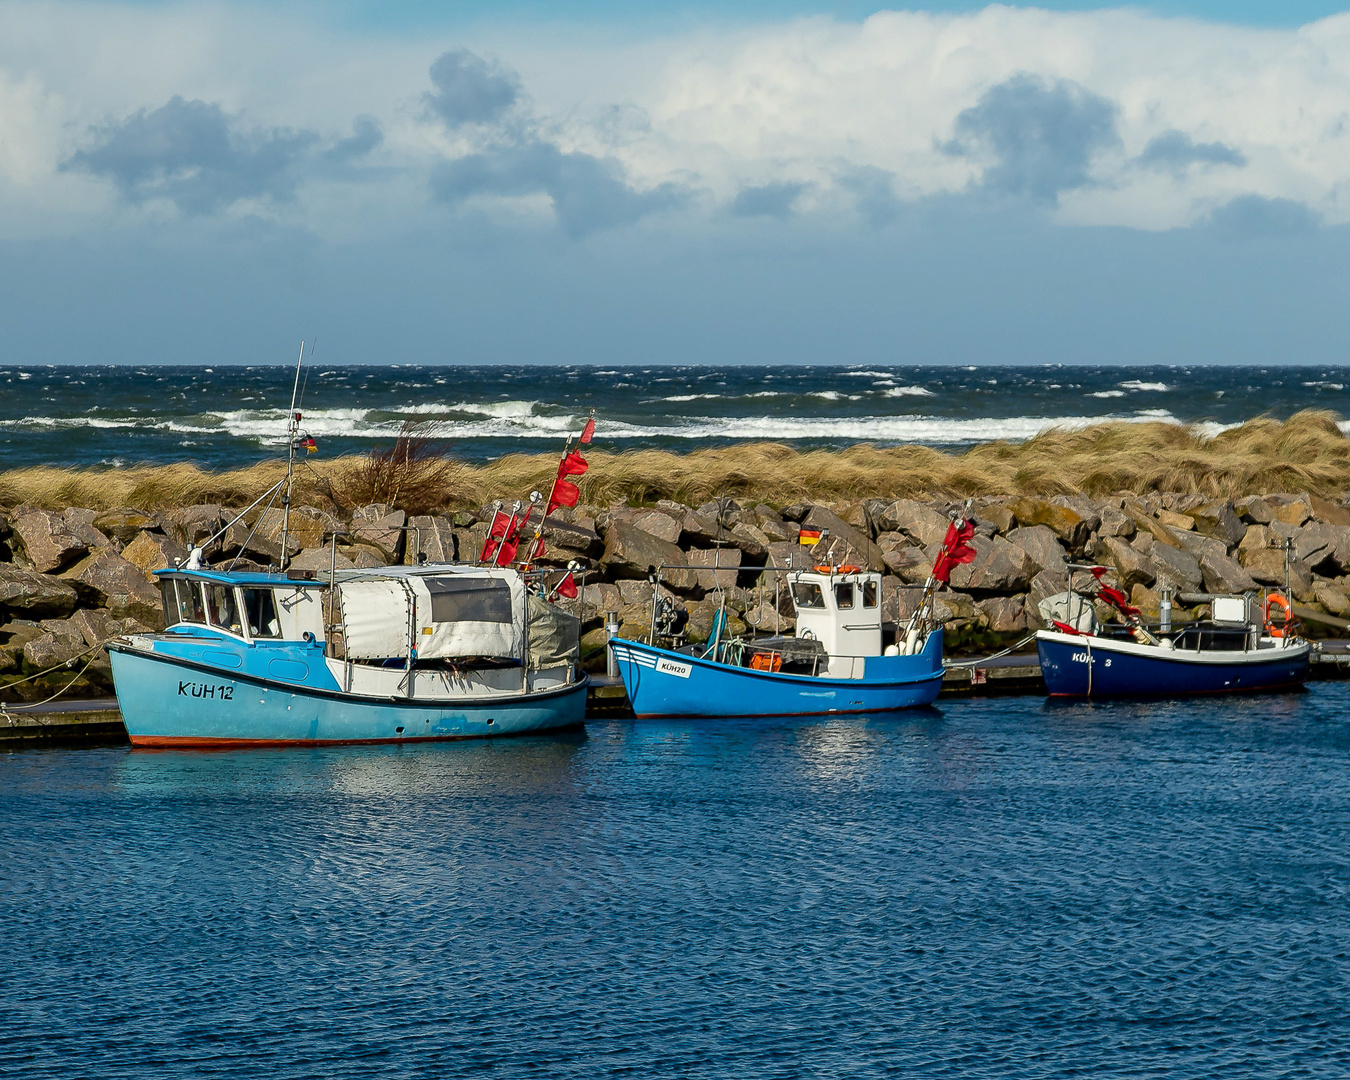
(220, 608)
(261, 610)
(869, 591)
(843, 595)
(182, 601)
(807, 594)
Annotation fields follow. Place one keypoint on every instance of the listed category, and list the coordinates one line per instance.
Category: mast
(292, 428)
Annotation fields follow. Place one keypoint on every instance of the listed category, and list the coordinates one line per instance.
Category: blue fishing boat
(399, 654)
(834, 663)
(1231, 652)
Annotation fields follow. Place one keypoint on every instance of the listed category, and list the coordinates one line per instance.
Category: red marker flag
(955, 550)
(587, 431)
(566, 493)
(498, 529)
(567, 586)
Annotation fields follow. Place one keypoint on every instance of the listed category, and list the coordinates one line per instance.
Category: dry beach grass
(1308, 452)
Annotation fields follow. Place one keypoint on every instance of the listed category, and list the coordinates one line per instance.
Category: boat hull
(1084, 666)
(664, 683)
(167, 702)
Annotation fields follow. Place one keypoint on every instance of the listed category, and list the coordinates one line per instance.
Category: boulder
(949, 606)
(1176, 568)
(1334, 596)
(1133, 567)
(569, 540)
(1224, 575)
(1005, 614)
(377, 524)
(659, 524)
(1253, 510)
(1325, 548)
(1045, 584)
(629, 552)
(124, 524)
(1082, 506)
(600, 598)
(1115, 523)
(1174, 520)
(432, 536)
(151, 551)
(14, 636)
(48, 540)
(195, 524)
(1194, 543)
(58, 642)
(1041, 545)
(907, 562)
(308, 527)
(779, 531)
(1289, 510)
(727, 560)
(845, 544)
(97, 626)
(764, 616)
(1219, 520)
(1148, 601)
(1266, 567)
(31, 595)
(996, 513)
(998, 567)
(701, 617)
(1328, 511)
(920, 523)
(1064, 521)
(470, 541)
(789, 556)
(108, 580)
(321, 559)
(697, 528)
(753, 544)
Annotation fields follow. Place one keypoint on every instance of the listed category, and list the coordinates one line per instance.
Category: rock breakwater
(72, 579)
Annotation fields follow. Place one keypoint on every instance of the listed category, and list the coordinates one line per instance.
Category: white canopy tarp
(450, 615)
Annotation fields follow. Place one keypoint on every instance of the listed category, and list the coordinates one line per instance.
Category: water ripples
(1002, 888)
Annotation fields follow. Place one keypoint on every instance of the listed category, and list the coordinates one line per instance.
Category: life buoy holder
(838, 569)
(1283, 604)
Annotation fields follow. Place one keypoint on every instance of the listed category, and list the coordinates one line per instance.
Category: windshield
(807, 594)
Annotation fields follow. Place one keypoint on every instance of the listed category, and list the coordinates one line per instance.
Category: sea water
(229, 416)
(990, 888)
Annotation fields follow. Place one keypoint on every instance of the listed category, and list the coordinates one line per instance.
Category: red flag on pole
(955, 550)
(587, 431)
(566, 493)
(567, 586)
(498, 529)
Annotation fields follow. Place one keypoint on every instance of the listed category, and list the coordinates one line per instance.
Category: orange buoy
(838, 569)
(1283, 604)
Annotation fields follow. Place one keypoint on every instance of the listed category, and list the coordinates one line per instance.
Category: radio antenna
(292, 429)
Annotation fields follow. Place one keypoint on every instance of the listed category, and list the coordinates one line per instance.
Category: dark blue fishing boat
(1231, 652)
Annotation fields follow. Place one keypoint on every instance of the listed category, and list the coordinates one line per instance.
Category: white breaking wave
(1135, 384)
(909, 391)
(834, 395)
(1325, 385)
(1106, 394)
(690, 397)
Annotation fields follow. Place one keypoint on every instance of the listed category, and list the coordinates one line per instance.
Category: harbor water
(989, 888)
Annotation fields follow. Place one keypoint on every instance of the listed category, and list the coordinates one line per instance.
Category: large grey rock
(108, 580)
(1176, 568)
(753, 544)
(1133, 567)
(909, 563)
(1220, 520)
(571, 540)
(1254, 510)
(195, 524)
(124, 524)
(845, 545)
(1041, 544)
(1324, 548)
(377, 524)
(1115, 522)
(308, 526)
(96, 626)
(777, 530)
(47, 539)
(1083, 507)
(1005, 614)
(1334, 596)
(1071, 526)
(58, 643)
(726, 560)
(917, 521)
(659, 524)
(996, 513)
(1194, 543)
(1289, 509)
(151, 551)
(1044, 585)
(1224, 575)
(31, 595)
(789, 556)
(700, 529)
(998, 567)
(629, 552)
(597, 599)
(321, 559)
(434, 537)
(1267, 567)
(1328, 511)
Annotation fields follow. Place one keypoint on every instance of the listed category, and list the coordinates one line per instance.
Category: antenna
(292, 427)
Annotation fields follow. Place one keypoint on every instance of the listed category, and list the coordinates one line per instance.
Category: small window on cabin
(869, 593)
(169, 592)
(807, 594)
(843, 594)
(190, 602)
(261, 609)
(221, 607)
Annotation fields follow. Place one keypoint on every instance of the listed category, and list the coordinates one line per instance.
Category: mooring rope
(995, 656)
(68, 662)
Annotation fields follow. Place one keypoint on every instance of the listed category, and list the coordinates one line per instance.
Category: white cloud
(808, 106)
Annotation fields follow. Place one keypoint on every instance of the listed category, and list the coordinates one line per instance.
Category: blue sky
(796, 183)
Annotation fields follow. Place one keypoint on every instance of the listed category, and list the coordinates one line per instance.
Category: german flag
(809, 537)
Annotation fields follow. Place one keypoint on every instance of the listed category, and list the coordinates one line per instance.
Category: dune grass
(1307, 452)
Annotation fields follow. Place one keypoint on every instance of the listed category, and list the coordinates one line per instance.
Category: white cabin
(840, 610)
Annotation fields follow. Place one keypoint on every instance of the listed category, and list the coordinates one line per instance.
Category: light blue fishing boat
(399, 654)
(834, 663)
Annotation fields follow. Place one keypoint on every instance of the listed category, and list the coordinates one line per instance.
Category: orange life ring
(1283, 604)
(838, 569)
